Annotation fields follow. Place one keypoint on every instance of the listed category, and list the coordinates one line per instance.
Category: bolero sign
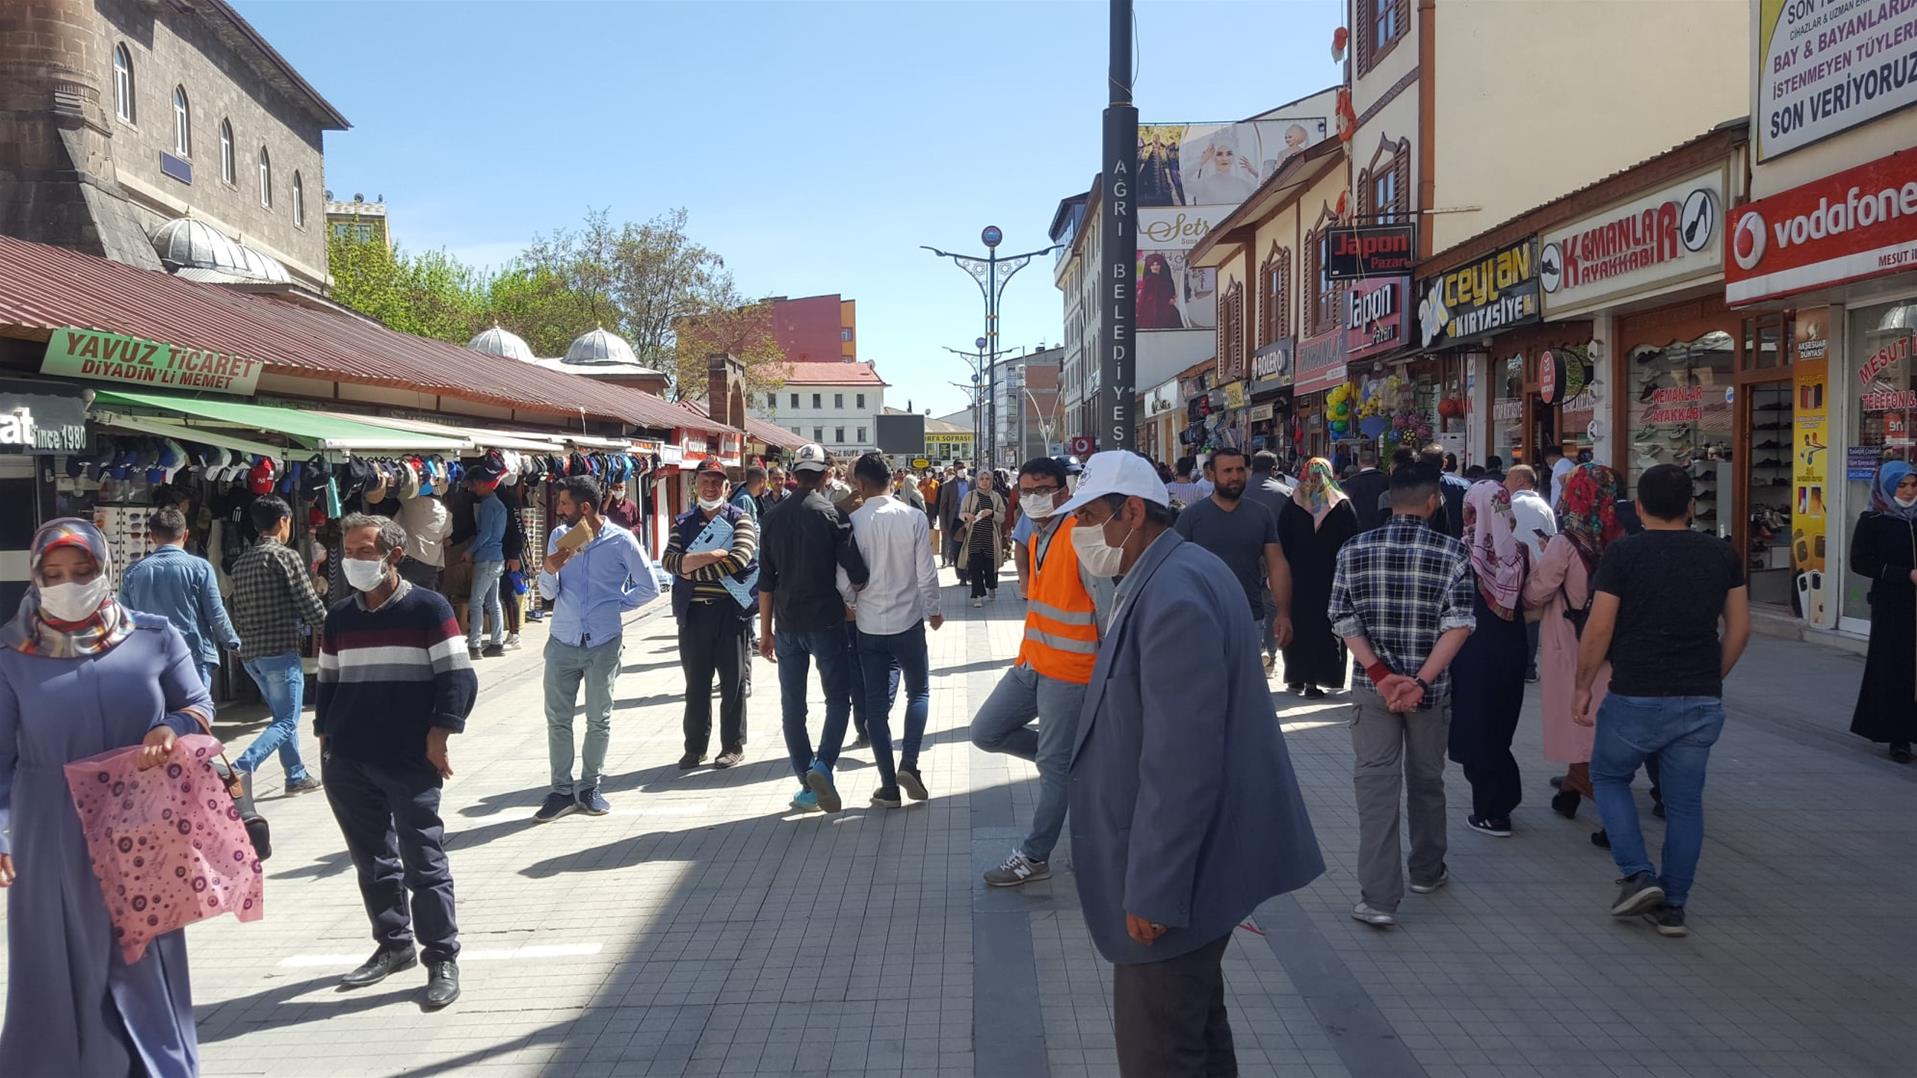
(1668, 237)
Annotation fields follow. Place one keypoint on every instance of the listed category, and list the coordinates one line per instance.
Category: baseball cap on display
(1116, 471)
(408, 481)
(809, 458)
(259, 479)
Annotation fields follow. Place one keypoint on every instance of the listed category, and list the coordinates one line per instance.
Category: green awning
(313, 430)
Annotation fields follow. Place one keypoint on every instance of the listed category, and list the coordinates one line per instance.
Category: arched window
(123, 83)
(299, 201)
(266, 179)
(227, 167)
(1323, 296)
(1231, 332)
(1384, 185)
(1274, 301)
(182, 123)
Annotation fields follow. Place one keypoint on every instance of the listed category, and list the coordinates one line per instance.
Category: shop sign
(1321, 362)
(111, 357)
(1655, 241)
(1855, 224)
(1547, 376)
(1271, 367)
(1235, 395)
(1810, 466)
(1824, 66)
(645, 445)
(1164, 398)
(38, 417)
(1374, 316)
(1261, 412)
(1861, 461)
(1482, 297)
(692, 446)
(1357, 252)
(1676, 404)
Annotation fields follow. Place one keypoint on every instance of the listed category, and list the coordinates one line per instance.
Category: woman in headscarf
(1158, 296)
(1487, 677)
(983, 513)
(1312, 526)
(1883, 547)
(81, 675)
(1560, 583)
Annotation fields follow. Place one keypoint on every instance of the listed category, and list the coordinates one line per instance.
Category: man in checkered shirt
(1402, 600)
(272, 596)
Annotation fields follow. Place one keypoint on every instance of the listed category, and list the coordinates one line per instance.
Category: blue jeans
(1677, 731)
(566, 666)
(206, 673)
(1003, 725)
(283, 684)
(484, 602)
(796, 651)
(855, 678)
(879, 657)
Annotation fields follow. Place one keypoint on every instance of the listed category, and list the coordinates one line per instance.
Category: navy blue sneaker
(591, 803)
(555, 806)
(819, 781)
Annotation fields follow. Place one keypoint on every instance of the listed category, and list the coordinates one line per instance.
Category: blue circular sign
(980, 342)
(992, 236)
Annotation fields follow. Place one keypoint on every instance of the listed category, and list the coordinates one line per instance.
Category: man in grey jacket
(1185, 814)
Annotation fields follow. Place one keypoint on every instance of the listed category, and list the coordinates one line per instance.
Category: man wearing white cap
(1184, 812)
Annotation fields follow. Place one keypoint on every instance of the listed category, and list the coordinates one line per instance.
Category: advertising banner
(1824, 66)
(1321, 362)
(110, 357)
(1172, 295)
(1481, 297)
(41, 417)
(1810, 464)
(1666, 238)
(1356, 252)
(1374, 316)
(1217, 164)
(1858, 223)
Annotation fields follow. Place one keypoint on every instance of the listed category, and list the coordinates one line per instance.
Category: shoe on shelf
(591, 803)
(385, 962)
(303, 786)
(513, 642)
(494, 651)
(691, 760)
(1444, 877)
(729, 758)
(1637, 893)
(913, 783)
(887, 797)
(819, 779)
(805, 801)
(1018, 869)
(1376, 918)
(1497, 827)
(442, 984)
(555, 806)
(1668, 920)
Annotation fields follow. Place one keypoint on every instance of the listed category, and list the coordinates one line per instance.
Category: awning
(228, 423)
(475, 437)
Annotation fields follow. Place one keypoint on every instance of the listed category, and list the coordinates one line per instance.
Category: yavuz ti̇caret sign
(1858, 223)
(110, 357)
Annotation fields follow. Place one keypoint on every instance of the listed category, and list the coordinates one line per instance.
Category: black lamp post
(992, 274)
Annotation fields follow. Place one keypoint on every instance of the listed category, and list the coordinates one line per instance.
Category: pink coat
(1558, 582)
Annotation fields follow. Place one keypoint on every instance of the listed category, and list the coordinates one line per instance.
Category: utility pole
(1118, 246)
(993, 273)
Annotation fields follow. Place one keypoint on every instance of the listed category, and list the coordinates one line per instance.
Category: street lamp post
(993, 273)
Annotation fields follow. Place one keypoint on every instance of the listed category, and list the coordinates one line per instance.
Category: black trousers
(712, 639)
(1170, 1016)
(419, 574)
(982, 567)
(389, 816)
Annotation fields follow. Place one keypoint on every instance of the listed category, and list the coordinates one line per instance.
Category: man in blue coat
(180, 588)
(1185, 814)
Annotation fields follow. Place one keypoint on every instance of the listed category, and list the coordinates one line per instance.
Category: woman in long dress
(1883, 547)
(1560, 583)
(983, 514)
(1487, 677)
(1312, 526)
(81, 675)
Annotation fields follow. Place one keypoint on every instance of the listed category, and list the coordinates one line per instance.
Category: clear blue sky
(814, 144)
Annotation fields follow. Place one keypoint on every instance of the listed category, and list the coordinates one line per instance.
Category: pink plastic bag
(167, 843)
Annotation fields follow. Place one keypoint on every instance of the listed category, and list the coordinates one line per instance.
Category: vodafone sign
(1859, 223)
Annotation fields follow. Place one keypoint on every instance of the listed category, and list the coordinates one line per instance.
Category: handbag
(1579, 616)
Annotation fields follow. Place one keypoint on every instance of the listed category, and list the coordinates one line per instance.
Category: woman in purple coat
(81, 675)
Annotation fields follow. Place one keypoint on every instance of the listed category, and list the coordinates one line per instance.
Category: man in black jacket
(1367, 490)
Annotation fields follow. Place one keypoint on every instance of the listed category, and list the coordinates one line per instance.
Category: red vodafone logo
(1747, 240)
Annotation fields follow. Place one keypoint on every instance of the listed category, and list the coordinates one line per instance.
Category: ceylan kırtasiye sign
(1481, 297)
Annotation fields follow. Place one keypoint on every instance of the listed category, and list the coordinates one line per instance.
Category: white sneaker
(1374, 918)
(512, 642)
(977, 603)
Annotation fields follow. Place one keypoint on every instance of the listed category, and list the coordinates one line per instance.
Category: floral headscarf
(1318, 492)
(1589, 514)
(30, 633)
(1497, 557)
(1883, 493)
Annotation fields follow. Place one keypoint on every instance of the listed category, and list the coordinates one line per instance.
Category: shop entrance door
(1765, 474)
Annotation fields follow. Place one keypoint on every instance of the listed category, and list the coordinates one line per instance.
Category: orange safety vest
(1061, 624)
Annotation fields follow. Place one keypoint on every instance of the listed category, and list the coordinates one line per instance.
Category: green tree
(540, 306)
(430, 295)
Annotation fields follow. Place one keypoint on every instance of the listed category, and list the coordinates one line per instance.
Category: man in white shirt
(1191, 486)
(1560, 466)
(891, 611)
(1535, 524)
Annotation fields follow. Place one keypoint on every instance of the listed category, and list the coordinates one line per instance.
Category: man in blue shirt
(590, 584)
(488, 557)
(180, 587)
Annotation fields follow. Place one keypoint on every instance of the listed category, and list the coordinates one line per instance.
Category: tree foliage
(429, 295)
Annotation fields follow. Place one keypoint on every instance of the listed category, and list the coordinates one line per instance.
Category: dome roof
(598, 347)
(186, 242)
(501, 342)
(265, 267)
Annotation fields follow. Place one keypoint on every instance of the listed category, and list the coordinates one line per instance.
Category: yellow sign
(921, 463)
(1810, 464)
(1235, 395)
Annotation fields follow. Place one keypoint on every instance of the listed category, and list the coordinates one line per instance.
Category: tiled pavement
(703, 929)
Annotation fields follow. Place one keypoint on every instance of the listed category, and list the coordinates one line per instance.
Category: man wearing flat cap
(714, 552)
(1184, 811)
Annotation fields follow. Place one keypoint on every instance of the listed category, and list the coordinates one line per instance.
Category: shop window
(1682, 406)
(1883, 349)
(123, 104)
(1507, 408)
(1381, 25)
(1274, 304)
(1764, 340)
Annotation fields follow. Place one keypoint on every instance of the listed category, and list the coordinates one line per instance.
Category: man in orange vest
(1065, 608)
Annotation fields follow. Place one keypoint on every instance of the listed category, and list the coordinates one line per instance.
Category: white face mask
(75, 602)
(365, 575)
(709, 504)
(1036, 506)
(1098, 557)
(1905, 503)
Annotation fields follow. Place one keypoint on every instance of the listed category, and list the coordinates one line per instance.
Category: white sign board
(1671, 236)
(1823, 66)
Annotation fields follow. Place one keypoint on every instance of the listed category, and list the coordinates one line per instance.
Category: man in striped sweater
(394, 683)
(713, 621)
